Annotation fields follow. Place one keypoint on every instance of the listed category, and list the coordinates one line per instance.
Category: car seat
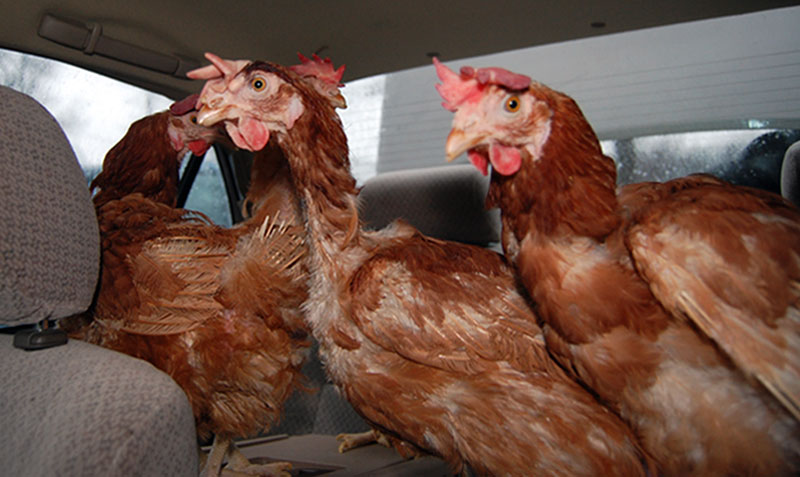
(68, 408)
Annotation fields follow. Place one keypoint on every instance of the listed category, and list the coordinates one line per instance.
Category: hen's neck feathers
(569, 189)
(143, 161)
(316, 148)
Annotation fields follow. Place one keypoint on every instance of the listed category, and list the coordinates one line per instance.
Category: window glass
(95, 112)
(745, 157)
(379, 142)
(208, 194)
(362, 124)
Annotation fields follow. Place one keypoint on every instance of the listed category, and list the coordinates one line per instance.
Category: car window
(208, 194)
(362, 124)
(744, 157)
(95, 112)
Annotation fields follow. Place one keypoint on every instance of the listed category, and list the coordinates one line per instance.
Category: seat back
(48, 229)
(790, 174)
(76, 409)
(444, 202)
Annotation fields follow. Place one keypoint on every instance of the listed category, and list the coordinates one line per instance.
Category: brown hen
(430, 341)
(677, 303)
(217, 309)
(156, 144)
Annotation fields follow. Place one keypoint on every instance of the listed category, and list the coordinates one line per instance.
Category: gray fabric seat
(790, 174)
(444, 202)
(75, 409)
(82, 410)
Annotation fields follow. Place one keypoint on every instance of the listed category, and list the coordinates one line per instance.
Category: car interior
(670, 88)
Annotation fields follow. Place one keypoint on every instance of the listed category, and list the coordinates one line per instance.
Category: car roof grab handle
(90, 40)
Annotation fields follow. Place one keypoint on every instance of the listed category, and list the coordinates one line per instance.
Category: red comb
(456, 88)
(179, 108)
(322, 69)
(498, 76)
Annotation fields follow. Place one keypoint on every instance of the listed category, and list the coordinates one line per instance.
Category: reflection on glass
(744, 157)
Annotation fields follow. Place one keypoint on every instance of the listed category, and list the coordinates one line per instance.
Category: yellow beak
(339, 101)
(458, 142)
(208, 116)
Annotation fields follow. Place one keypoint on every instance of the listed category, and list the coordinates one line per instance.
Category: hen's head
(323, 77)
(254, 99)
(502, 118)
(185, 134)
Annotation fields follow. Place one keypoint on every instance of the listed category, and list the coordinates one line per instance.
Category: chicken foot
(213, 461)
(237, 464)
(359, 439)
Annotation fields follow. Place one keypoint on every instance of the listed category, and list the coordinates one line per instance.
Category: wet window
(744, 157)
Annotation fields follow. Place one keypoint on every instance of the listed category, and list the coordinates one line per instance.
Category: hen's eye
(193, 119)
(512, 104)
(258, 83)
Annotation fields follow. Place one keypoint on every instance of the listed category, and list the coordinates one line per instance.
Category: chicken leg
(351, 441)
(359, 439)
(237, 464)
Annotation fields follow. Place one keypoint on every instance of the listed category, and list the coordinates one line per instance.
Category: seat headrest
(444, 202)
(49, 240)
(790, 174)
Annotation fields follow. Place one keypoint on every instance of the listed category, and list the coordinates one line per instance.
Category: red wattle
(198, 147)
(505, 159)
(254, 133)
(479, 161)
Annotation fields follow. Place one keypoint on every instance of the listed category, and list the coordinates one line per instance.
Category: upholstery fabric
(82, 410)
(447, 203)
(790, 174)
(49, 240)
(76, 409)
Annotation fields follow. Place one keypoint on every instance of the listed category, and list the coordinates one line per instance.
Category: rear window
(744, 157)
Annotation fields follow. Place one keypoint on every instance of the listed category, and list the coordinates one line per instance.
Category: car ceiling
(369, 37)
